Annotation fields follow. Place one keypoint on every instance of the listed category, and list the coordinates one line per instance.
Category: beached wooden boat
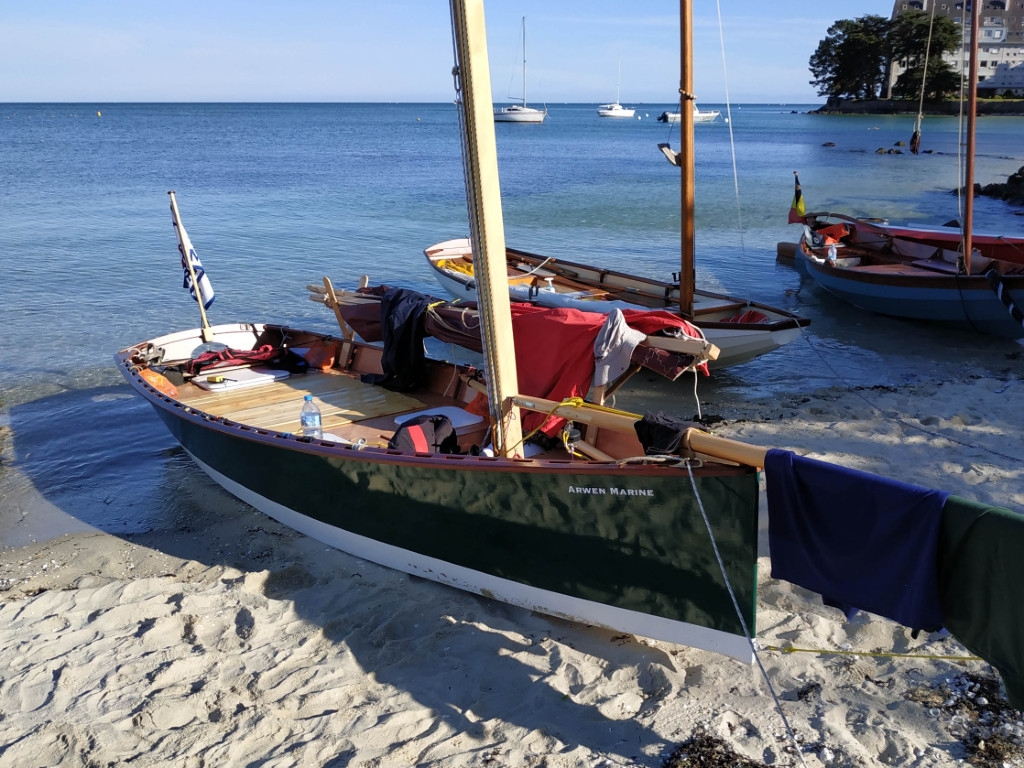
(618, 542)
(594, 529)
(741, 329)
(1009, 248)
(909, 279)
(941, 277)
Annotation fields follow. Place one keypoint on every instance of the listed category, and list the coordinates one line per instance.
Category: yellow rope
(579, 402)
(880, 655)
(456, 266)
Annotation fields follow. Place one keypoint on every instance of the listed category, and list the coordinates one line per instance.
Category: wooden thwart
(621, 421)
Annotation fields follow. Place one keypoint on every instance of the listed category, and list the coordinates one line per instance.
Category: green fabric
(980, 556)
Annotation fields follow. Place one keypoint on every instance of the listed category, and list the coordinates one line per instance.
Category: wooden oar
(696, 440)
(346, 330)
(622, 421)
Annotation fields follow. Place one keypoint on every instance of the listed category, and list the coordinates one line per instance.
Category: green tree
(852, 59)
(908, 38)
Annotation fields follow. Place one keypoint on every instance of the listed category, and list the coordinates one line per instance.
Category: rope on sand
(876, 654)
(743, 622)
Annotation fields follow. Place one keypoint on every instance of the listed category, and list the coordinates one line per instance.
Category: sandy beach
(233, 641)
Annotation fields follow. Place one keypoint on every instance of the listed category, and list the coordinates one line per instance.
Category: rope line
(924, 75)
(900, 420)
(739, 614)
(874, 654)
(732, 139)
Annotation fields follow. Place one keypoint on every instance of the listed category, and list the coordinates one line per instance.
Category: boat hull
(618, 546)
(519, 115)
(738, 343)
(916, 294)
(615, 111)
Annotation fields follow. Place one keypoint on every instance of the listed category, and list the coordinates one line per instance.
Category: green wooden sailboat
(592, 529)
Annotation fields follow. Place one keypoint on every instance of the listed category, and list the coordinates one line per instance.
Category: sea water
(276, 196)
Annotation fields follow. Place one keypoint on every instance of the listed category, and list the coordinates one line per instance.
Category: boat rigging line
(739, 615)
(1016, 460)
(915, 139)
(732, 138)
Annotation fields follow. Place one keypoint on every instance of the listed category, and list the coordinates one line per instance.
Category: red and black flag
(797, 211)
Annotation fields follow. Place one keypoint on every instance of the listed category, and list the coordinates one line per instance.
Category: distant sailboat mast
(524, 61)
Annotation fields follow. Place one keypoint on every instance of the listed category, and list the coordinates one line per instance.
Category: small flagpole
(207, 332)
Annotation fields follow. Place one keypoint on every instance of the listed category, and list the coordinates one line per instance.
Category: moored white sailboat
(616, 109)
(520, 113)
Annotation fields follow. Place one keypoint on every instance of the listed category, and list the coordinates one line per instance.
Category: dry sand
(245, 644)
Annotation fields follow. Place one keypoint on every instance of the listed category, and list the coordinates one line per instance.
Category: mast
(483, 200)
(686, 159)
(524, 62)
(972, 110)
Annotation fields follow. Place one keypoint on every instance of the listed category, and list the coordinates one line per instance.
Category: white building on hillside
(1001, 44)
(1008, 80)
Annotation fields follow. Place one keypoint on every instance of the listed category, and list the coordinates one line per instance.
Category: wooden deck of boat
(348, 407)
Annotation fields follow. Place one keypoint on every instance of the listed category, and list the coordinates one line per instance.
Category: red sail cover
(554, 356)
(555, 351)
(554, 346)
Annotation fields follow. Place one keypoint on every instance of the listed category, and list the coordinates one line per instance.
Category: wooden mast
(972, 111)
(686, 159)
(483, 199)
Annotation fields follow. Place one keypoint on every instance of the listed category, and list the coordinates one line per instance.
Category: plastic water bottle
(312, 425)
(832, 253)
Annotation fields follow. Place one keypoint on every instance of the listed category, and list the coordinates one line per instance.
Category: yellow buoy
(98, 113)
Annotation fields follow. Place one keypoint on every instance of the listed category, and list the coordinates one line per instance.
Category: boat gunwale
(927, 279)
(638, 466)
(787, 321)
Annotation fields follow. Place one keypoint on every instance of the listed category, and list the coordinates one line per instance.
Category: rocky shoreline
(837, 106)
(1012, 191)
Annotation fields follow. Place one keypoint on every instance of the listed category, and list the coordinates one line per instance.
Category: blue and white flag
(187, 251)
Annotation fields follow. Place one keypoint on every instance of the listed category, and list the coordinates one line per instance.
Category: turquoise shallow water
(274, 196)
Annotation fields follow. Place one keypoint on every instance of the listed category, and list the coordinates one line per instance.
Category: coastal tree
(908, 39)
(852, 60)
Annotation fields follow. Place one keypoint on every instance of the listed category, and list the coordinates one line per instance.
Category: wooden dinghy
(914, 280)
(741, 330)
(617, 541)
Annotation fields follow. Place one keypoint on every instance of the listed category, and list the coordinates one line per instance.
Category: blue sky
(400, 50)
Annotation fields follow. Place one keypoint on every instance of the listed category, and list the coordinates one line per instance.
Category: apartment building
(1000, 46)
